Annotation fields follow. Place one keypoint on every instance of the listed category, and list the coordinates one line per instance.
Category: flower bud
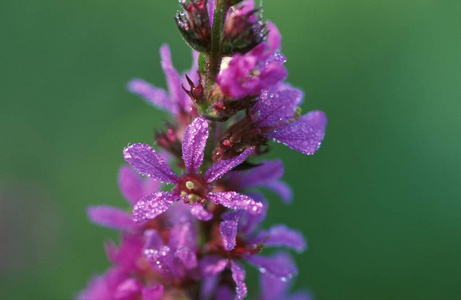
(243, 31)
(194, 24)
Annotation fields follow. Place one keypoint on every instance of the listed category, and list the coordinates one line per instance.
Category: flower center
(193, 188)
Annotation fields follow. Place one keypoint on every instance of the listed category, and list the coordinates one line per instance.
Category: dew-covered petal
(212, 265)
(152, 205)
(188, 257)
(276, 107)
(172, 77)
(282, 189)
(298, 136)
(111, 217)
(153, 95)
(238, 275)
(317, 119)
(152, 293)
(164, 262)
(223, 166)
(279, 265)
(282, 236)
(228, 229)
(236, 201)
(249, 222)
(193, 144)
(200, 212)
(147, 162)
(183, 234)
(153, 239)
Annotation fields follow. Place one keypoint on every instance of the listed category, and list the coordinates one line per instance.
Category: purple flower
(192, 187)
(256, 70)
(266, 175)
(176, 101)
(177, 258)
(274, 115)
(116, 284)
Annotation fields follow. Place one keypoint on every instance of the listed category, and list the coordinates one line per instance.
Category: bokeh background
(379, 203)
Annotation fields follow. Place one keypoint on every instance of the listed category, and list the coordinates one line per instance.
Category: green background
(379, 202)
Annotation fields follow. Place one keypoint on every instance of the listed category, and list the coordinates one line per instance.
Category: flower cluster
(191, 231)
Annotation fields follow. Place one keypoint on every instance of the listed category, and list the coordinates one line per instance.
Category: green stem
(221, 8)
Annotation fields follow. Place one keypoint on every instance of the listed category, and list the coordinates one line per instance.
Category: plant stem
(215, 57)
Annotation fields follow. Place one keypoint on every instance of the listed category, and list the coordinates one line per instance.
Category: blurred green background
(379, 203)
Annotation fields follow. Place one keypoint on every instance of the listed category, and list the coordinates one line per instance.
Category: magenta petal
(282, 236)
(188, 257)
(236, 201)
(249, 222)
(147, 162)
(193, 144)
(272, 108)
(298, 136)
(155, 96)
(222, 167)
(224, 292)
(183, 234)
(238, 275)
(131, 185)
(112, 217)
(228, 229)
(282, 189)
(212, 265)
(128, 289)
(153, 239)
(317, 119)
(274, 38)
(200, 212)
(172, 76)
(152, 293)
(279, 265)
(152, 205)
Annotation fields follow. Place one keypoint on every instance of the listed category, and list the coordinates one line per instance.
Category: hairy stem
(215, 57)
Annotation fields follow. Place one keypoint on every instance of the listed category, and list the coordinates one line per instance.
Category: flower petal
(147, 162)
(236, 201)
(282, 189)
(279, 265)
(152, 205)
(282, 236)
(273, 288)
(228, 229)
(155, 96)
(188, 257)
(111, 217)
(193, 144)
(183, 234)
(274, 38)
(298, 136)
(130, 184)
(200, 212)
(222, 167)
(238, 274)
(317, 119)
(212, 265)
(172, 77)
(249, 222)
(152, 293)
(276, 107)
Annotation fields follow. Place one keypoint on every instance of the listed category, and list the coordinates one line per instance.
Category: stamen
(190, 185)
